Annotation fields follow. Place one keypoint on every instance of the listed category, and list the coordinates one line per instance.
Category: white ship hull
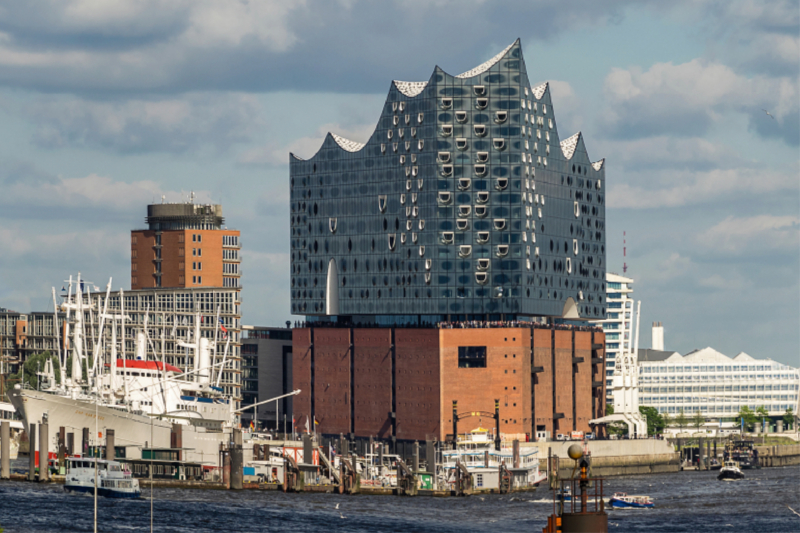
(74, 415)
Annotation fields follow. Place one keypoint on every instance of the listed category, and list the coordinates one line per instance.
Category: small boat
(622, 500)
(566, 494)
(730, 471)
(115, 480)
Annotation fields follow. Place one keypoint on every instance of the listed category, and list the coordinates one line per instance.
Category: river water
(685, 501)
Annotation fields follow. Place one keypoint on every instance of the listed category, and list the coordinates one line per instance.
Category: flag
(306, 424)
(315, 421)
(223, 328)
(96, 288)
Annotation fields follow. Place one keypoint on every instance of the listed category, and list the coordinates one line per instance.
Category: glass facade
(464, 201)
(718, 389)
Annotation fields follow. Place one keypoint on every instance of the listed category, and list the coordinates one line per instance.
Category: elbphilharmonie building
(465, 202)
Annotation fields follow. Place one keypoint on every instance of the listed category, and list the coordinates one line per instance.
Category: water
(685, 501)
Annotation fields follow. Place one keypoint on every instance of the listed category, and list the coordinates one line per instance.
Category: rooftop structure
(465, 201)
(185, 245)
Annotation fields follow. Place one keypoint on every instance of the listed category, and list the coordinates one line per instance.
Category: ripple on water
(685, 501)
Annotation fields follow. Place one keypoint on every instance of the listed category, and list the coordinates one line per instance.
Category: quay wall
(782, 455)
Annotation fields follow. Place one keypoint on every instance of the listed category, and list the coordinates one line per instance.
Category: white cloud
(675, 188)
(170, 125)
(753, 235)
(304, 147)
(686, 99)
(83, 195)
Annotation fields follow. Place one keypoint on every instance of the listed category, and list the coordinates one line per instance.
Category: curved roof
(597, 165)
(347, 144)
(483, 67)
(410, 88)
(539, 90)
(569, 144)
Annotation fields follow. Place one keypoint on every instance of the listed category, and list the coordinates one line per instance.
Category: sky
(106, 106)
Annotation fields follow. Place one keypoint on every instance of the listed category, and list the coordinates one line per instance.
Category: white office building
(715, 384)
(618, 324)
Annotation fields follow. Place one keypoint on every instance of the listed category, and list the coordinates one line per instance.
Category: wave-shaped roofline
(412, 89)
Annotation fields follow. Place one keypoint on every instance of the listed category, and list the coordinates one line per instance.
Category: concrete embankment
(615, 457)
(782, 455)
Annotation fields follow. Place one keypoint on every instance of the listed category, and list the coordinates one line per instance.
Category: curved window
(481, 103)
(443, 157)
(480, 90)
(483, 237)
(444, 198)
(482, 197)
(480, 211)
(465, 250)
(447, 130)
(501, 116)
(447, 170)
(480, 170)
(447, 103)
(482, 157)
(461, 116)
(447, 237)
(481, 278)
(464, 210)
(483, 264)
(501, 184)
(461, 144)
(462, 224)
(480, 130)
(464, 183)
(499, 144)
(502, 250)
(499, 224)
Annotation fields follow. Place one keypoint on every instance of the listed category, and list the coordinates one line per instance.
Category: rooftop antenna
(624, 253)
(191, 197)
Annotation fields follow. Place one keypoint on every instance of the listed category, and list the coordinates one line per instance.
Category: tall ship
(95, 382)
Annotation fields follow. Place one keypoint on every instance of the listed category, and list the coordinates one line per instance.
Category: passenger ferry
(477, 453)
(621, 500)
(115, 480)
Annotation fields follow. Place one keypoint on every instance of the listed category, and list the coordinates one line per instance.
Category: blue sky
(106, 106)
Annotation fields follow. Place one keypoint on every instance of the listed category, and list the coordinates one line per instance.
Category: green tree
(615, 428)
(746, 417)
(681, 421)
(668, 421)
(655, 422)
(34, 364)
(788, 418)
(698, 420)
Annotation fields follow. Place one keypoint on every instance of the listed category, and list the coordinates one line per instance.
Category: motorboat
(621, 500)
(113, 478)
(730, 471)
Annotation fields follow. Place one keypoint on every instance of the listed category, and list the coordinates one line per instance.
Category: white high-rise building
(618, 324)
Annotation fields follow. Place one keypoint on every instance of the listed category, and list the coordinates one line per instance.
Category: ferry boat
(115, 481)
(476, 452)
(744, 453)
(8, 414)
(621, 500)
(730, 471)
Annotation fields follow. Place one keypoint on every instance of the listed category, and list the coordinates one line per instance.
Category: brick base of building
(400, 383)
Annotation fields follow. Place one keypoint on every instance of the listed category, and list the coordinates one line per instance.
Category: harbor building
(185, 245)
(25, 334)
(465, 209)
(267, 373)
(618, 322)
(715, 384)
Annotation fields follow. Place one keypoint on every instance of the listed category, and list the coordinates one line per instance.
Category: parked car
(561, 436)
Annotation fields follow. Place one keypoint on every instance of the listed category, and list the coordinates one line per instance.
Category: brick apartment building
(185, 245)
